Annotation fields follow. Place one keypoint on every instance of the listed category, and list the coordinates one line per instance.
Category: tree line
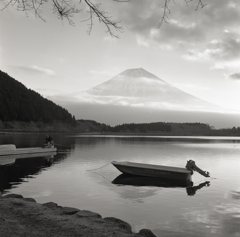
(156, 128)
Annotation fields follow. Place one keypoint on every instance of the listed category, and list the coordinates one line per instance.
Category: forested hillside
(18, 103)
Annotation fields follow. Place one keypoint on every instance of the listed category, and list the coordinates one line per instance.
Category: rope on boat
(99, 167)
(94, 171)
(109, 181)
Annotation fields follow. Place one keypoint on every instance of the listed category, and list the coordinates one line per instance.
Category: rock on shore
(25, 217)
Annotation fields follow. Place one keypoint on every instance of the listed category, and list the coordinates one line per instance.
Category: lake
(81, 176)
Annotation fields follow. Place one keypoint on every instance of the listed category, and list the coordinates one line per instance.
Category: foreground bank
(24, 217)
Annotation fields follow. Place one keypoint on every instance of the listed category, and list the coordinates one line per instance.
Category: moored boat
(9, 150)
(11, 159)
(9, 153)
(159, 171)
(150, 170)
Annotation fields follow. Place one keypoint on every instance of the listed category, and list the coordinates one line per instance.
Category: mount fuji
(136, 96)
(140, 88)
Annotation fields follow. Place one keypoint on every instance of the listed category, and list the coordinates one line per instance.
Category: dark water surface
(209, 207)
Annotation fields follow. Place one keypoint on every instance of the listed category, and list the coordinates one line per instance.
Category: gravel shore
(25, 217)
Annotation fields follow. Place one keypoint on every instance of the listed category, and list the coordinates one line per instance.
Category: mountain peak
(137, 89)
(137, 72)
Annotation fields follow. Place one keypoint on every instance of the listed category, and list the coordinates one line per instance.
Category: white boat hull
(11, 159)
(9, 153)
(147, 170)
(33, 150)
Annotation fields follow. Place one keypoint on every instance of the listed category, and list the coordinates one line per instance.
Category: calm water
(206, 209)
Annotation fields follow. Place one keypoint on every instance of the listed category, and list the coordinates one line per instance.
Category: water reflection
(14, 174)
(191, 190)
(161, 206)
(236, 195)
(132, 180)
(150, 139)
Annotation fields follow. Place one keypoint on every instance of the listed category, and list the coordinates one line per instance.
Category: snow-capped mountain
(140, 88)
(136, 96)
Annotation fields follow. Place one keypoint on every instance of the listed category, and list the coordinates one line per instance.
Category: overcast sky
(197, 51)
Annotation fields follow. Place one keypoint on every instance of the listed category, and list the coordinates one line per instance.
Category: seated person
(49, 142)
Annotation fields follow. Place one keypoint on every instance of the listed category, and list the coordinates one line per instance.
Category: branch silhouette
(68, 9)
(167, 9)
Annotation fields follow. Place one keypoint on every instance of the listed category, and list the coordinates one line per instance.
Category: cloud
(235, 76)
(106, 73)
(211, 33)
(227, 48)
(110, 39)
(34, 69)
(230, 65)
(141, 41)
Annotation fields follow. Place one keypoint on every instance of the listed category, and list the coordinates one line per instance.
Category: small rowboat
(6, 150)
(9, 153)
(149, 170)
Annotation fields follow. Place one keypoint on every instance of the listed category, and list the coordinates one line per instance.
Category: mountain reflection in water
(132, 180)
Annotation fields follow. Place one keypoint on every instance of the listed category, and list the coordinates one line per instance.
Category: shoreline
(21, 216)
(114, 134)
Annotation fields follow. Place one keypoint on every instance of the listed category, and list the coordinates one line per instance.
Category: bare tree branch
(102, 18)
(11, 2)
(68, 9)
(200, 4)
(167, 12)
